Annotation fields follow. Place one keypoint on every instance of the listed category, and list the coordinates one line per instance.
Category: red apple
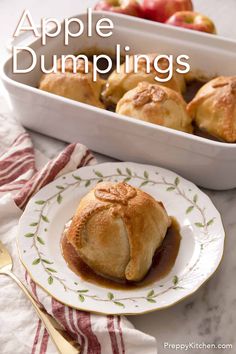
(126, 7)
(192, 20)
(161, 10)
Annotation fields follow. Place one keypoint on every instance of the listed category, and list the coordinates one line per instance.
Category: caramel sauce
(192, 88)
(163, 261)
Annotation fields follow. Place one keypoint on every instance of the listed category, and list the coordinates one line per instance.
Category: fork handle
(63, 342)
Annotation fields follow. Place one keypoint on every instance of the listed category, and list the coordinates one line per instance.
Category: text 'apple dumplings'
(117, 229)
(119, 83)
(77, 86)
(156, 104)
(214, 108)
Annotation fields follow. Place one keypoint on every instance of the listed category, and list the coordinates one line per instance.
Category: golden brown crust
(117, 229)
(80, 66)
(214, 108)
(119, 83)
(76, 86)
(156, 104)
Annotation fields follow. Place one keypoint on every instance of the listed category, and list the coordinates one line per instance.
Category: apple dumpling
(77, 86)
(117, 229)
(214, 108)
(119, 83)
(156, 104)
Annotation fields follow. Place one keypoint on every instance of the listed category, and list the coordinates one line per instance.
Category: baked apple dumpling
(117, 229)
(119, 83)
(77, 86)
(156, 104)
(214, 108)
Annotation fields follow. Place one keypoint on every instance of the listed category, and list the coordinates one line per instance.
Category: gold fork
(64, 343)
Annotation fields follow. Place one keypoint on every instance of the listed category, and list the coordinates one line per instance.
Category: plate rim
(126, 313)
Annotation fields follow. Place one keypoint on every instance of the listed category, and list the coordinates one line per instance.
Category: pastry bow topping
(119, 193)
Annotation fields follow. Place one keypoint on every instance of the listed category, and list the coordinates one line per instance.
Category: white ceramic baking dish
(210, 164)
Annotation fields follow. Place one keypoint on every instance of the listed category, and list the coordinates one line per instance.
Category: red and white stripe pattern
(71, 158)
(96, 334)
(17, 164)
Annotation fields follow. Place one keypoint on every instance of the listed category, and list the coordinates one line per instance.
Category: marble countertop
(210, 314)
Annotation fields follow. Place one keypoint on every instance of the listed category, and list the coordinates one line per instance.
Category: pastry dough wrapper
(117, 229)
(77, 86)
(214, 108)
(156, 104)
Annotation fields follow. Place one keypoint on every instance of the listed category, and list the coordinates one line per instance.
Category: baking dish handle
(23, 38)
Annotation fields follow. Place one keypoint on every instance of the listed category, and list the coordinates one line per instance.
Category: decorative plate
(43, 221)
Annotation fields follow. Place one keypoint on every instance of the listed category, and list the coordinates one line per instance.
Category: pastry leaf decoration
(149, 93)
(119, 193)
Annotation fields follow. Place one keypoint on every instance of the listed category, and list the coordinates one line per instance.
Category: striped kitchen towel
(21, 331)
